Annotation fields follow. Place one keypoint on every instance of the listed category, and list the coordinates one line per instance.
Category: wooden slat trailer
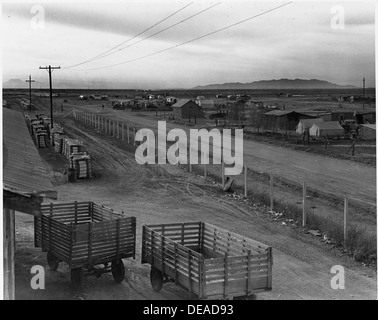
(209, 261)
(85, 235)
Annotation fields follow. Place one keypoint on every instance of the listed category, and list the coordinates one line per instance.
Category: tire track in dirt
(299, 259)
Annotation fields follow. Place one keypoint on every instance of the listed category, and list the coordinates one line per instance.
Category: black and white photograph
(182, 155)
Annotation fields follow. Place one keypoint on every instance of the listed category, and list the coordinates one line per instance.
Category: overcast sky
(301, 40)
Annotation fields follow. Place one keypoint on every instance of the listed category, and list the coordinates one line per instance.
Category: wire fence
(295, 201)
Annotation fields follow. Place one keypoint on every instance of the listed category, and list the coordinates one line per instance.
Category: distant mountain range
(285, 84)
(275, 84)
(22, 84)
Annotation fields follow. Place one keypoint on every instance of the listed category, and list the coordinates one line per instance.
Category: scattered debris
(315, 233)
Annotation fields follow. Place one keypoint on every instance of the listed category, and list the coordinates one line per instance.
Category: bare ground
(166, 193)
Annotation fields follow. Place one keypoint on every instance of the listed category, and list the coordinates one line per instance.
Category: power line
(189, 41)
(156, 33)
(30, 82)
(50, 68)
(99, 56)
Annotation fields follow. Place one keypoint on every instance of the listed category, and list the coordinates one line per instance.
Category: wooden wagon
(85, 235)
(209, 261)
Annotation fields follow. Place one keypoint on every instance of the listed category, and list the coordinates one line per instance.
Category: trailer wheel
(52, 261)
(76, 277)
(118, 271)
(156, 278)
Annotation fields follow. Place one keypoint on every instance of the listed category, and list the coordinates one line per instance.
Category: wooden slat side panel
(238, 242)
(55, 237)
(104, 240)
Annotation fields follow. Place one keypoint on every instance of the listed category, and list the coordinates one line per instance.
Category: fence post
(134, 135)
(123, 131)
(345, 220)
(271, 191)
(222, 168)
(245, 180)
(128, 134)
(304, 204)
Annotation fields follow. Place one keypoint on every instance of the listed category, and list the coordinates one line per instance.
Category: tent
(326, 129)
(306, 124)
(368, 132)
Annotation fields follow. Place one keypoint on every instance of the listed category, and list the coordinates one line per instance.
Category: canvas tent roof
(368, 131)
(330, 128)
(307, 124)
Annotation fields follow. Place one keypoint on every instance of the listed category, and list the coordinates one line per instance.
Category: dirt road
(166, 194)
(334, 176)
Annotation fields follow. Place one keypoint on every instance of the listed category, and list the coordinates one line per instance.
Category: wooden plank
(211, 228)
(235, 245)
(8, 251)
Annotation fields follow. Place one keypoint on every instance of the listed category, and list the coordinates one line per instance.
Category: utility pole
(363, 94)
(49, 68)
(30, 81)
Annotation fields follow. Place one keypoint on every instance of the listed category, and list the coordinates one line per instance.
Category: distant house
(368, 132)
(201, 98)
(171, 100)
(278, 120)
(326, 129)
(305, 124)
(185, 109)
(206, 104)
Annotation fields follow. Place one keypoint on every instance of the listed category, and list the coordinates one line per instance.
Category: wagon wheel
(76, 277)
(156, 278)
(52, 261)
(118, 271)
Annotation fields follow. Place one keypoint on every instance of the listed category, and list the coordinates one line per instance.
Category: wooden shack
(24, 187)
(187, 109)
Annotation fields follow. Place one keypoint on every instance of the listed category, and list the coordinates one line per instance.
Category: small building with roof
(186, 109)
(25, 186)
(206, 104)
(283, 120)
